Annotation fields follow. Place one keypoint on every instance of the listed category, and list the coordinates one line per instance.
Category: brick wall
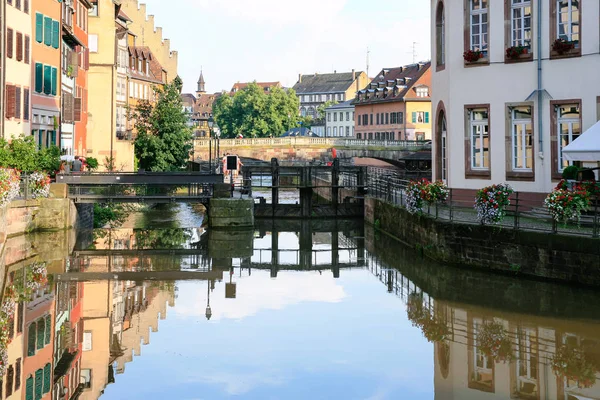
(539, 255)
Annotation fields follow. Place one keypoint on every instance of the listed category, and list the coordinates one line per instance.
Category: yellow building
(142, 26)
(107, 87)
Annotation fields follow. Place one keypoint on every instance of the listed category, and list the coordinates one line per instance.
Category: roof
(124, 16)
(392, 84)
(201, 79)
(326, 83)
(345, 104)
(300, 132)
(156, 69)
(265, 85)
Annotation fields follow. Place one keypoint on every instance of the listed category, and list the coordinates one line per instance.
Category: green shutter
(426, 117)
(414, 117)
(39, 377)
(39, 27)
(55, 34)
(47, 376)
(47, 79)
(41, 327)
(54, 80)
(53, 138)
(48, 331)
(47, 31)
(39, 77)
(31, 339)
(29, 388)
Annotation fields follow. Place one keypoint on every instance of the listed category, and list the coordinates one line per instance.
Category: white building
(503, 118)
(339, 120)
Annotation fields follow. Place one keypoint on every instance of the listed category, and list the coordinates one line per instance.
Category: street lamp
(211, 123)
(208, 313)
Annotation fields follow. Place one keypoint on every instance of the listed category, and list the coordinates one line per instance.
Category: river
(162, 308)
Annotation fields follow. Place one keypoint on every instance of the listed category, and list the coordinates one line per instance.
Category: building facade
(514, 83)
(199, 107)
(315, 90)
(266, 86)
(339, 120)
(45, 76)
(17, 69)
(396, 105)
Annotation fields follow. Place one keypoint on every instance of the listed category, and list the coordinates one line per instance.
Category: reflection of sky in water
(300, 336)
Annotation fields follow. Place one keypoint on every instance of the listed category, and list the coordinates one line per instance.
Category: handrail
(307, 141)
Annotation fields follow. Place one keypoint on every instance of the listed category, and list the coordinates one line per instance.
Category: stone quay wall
(537, 255)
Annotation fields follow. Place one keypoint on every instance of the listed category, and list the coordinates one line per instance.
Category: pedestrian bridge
(306, 148)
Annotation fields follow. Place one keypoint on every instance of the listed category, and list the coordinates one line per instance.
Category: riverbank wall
(562, 258)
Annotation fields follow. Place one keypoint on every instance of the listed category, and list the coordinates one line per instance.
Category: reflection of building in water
(117, 316)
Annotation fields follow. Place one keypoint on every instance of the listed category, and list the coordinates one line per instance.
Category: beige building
(107, 87)
(142, 26)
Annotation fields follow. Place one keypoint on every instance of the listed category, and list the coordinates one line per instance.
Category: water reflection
(290, 310)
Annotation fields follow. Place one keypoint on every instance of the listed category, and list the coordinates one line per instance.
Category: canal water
(162, 308)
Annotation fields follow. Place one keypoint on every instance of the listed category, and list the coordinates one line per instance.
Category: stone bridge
(307, 149)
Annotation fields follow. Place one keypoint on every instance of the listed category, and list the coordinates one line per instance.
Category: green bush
(570, 172)
(92, 163)
(22, 154)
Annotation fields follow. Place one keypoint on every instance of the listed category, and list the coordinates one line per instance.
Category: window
(341, 131)
(341, 116)
(93, 43)
(520, 23)
(335, 131)
(478, 25)
(328, 117)
(387, 118)
(334, 117)
(347, 115)
(479, 139)
(26, 6)
(10, 375)
(9, 43)
(420, 117)
(423, 91)
(26, 46)
(440, 37)
(311, 112)
(527, 360)
(347, 131)
(521, 138)
(568, 128)
(377, 118)
(93, 12)
(371, 119)
(393, 118)
(86, 378)
(568, 20)
(481, 366)
(328, 131)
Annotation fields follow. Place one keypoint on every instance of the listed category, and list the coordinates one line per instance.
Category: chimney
(299, 78)
(353, 75)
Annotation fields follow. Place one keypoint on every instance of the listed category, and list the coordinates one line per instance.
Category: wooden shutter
(47, 79)
(39, 383)
(10, 101)
(39, 77)
(26, 46)
(18, 374)
(85, 100)
(54, 81)
(31, 339)
(48, 31)
(26, 104)
(47, 376)
(29, 388)
(55, 34)
(87, 59)
(9, 43)
(41, 328)
(18, 102)
(26, 6)
(77, 104)
(67, 111)
(75, 63)
(39, 27)
(19, 46)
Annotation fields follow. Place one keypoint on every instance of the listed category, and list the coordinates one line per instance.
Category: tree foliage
(22, 153)
(163, 141)
(253, 113)
(322, 107)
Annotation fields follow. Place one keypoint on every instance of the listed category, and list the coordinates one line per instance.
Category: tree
(163, 141)
(253, 113)
(22, 154)
(322, 107)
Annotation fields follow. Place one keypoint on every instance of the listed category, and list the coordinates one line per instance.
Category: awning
(586, 147)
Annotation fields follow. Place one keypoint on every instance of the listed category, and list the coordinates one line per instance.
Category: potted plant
(562, 46)
(39, 185)
(9, 185)
(491, 201)
(570, 174)
(566, 205)
(515, 52)
(570, 362)
(494, 342)
(472, 56)
(422, 191)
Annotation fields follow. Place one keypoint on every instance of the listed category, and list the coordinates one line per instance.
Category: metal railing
(140, 193)
(524, 212)
(307, 141)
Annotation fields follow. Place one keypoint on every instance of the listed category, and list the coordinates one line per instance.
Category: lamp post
(211, 123)
(208, 313)
(218, 155)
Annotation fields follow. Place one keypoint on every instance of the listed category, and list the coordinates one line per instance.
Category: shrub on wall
(491, 203)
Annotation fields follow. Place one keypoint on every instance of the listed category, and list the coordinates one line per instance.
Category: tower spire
(201, 83)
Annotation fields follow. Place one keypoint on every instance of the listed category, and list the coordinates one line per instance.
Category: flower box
(473, 56)
(517, 52)
(562, 46)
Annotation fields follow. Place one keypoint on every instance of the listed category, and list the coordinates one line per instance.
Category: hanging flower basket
(571, 363)
(566, 205)
(39, 185)
(433, 329)
(9, 185)
(472, 56)
(423, 192)
(491, 203)
(494, 342)
(562, 46)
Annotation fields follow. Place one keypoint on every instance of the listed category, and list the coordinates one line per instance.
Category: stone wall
(532, 254)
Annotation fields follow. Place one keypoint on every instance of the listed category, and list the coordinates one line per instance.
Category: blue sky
(275, 40)
(300, 336)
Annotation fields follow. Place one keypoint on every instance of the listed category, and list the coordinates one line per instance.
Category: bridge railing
(308, 141)
(140, 193)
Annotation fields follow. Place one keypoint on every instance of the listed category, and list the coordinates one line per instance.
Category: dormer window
(423, 91)
(139, 65)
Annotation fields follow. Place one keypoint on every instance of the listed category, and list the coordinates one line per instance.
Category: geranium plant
(433, 329)
(491, 203)
(566, 205)
(472, 55)
(515, 52)
(571, 363)
(494, 342)
(423, 192)
(563, 46)
(9, 185)
(39, 185)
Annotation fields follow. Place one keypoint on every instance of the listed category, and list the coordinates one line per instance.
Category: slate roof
(345, 104)
(391, 84)
(156, 68)
(325, 83)
(300, 132)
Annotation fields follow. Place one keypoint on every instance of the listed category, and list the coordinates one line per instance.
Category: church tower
(201, 89)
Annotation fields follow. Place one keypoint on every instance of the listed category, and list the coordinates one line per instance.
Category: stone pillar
(231, 213)
(306, 192)
(306, 245)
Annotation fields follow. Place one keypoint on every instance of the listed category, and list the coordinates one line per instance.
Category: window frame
(512, 173)
(555, 134)
(467, 35)
(470, 172)
(440, 36)
(576, 52)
